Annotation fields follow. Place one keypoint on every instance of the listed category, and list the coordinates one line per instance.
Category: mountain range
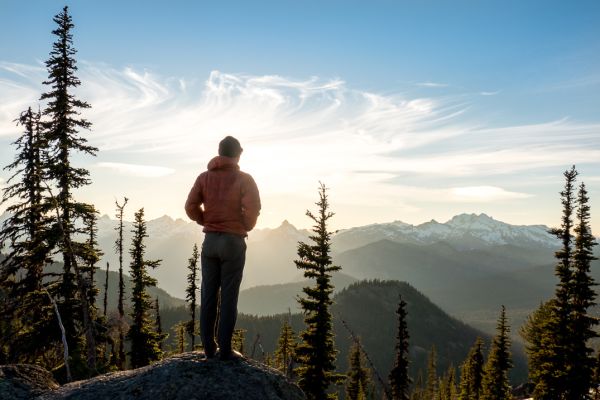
(271, 251)
(469, 265)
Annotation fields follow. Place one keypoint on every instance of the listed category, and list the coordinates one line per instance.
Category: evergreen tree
(190, 293)
(158, 325)
(399, 380)
(119, 248)
(90, 254)
(180, 332)
(556, 341)
(27, 324)
(286, 347)
(61, 132)
(450, 383)
(358, 380)
(537, 333)
(316, 352)
(557, 334)
(238, 339)
(596, 378)
(431, 388)
(495, 384)
(144, 339)
(472, 373)
(582, 299)
(418, 391)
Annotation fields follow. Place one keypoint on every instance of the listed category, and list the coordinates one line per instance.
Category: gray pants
(223, 258)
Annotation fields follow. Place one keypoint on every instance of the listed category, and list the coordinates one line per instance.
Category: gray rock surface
(184, 377)
(24, 381)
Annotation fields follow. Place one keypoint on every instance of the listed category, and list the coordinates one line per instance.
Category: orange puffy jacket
(224, 199)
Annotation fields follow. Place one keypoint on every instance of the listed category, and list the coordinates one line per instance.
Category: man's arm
(250, 203)
(194, 202)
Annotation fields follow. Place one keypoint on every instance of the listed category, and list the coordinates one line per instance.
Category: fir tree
(418, 391)
(158, 325)
(596, 378)
(144, 339)
(27, 325)
(190, 293)
(286, 347)
(119, 248)
(399, 380)
(471, 375)
(180, 332)
(556, 341)
(432, 377)
(560, 362)
(238, 339)
(61, 132)
(450, 383)
(90, 254)
(495, 384)
(316, 352)
(358, 381)
(582, 299)
(540, 348)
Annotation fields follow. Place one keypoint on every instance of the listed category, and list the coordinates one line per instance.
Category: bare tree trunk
(64, 337)
(106, 289)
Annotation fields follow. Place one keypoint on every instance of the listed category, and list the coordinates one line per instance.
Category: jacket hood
(222, 162)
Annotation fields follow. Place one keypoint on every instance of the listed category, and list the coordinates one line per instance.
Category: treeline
(47, 317)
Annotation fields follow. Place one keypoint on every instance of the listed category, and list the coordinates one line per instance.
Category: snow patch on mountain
(463, 231)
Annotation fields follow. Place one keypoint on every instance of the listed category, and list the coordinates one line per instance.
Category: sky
(406, 110)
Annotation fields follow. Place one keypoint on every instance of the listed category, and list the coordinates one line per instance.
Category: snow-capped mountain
(464, 231)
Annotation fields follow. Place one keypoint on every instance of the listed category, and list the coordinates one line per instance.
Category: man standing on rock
(226, 202)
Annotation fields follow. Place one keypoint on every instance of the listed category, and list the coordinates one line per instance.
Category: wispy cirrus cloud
(145, 171)
(432, 84)
(480, 194)
(299, 131)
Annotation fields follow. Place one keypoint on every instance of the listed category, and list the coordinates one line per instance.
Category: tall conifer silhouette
(582, 300)
(27, 324)
(61, 130)
(471, 373)
(495, 384)
(316, 353)
(399, 380)
(358, 381)
(144, 338)
(191, 294)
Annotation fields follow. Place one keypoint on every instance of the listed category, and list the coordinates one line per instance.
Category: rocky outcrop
(20, 382)
(184, 377)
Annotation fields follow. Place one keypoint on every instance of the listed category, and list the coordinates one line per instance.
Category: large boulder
(20, 381)
(185, 377)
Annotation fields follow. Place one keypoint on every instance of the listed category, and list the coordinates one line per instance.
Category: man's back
(230, 198)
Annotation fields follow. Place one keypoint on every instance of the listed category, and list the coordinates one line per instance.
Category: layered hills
(368, 310)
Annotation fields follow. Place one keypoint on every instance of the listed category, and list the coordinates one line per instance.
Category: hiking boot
(230, 355)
